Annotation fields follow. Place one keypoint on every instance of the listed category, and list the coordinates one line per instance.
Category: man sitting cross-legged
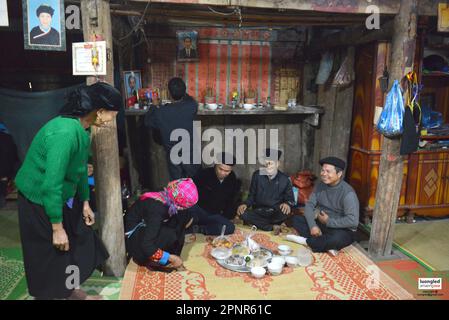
(218, 189)
(331, 215)
(270, 195)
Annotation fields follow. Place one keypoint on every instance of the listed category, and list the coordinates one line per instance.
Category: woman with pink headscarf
(155, 225)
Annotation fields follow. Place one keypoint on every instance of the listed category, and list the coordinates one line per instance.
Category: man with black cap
(331, 215)
(44, 33)
(270, 195)
(218, 192)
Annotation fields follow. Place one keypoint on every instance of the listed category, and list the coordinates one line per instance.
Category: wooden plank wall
(333, 136)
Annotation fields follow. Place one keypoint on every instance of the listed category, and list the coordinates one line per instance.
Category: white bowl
(278, 260)
(305, 257)
(292, 261)
(275, 268)
(258, 272)
(248, 106)
(212, 106)
(221, 253)
(284, 249)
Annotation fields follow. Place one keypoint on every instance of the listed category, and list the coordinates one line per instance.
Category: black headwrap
(89, 98)
(46, 9)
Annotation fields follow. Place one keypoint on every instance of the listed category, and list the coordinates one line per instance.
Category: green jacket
(55, 166)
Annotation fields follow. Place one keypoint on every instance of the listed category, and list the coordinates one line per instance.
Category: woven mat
(349, 275)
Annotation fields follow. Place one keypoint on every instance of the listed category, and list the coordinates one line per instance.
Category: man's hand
(156, 102)
(285, 208)
(88, 214)
(241, 209)
(315, 232)
(174, 261)
(323, 217)
(60, 239)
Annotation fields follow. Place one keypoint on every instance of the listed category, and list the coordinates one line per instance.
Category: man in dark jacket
(218, 190)
(169, 117)
(270, 195)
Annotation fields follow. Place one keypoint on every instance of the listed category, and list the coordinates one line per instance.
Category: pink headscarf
(178, 195)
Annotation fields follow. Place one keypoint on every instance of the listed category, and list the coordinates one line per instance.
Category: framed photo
(132, 82)
(44, 25)
(187, 46)
(443, 17)
(89, 58)
(4, 21)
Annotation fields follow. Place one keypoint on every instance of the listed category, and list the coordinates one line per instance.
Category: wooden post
(97, 21)
(391, 163)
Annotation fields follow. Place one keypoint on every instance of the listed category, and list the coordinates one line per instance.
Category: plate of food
(240, 250)
(222, 242)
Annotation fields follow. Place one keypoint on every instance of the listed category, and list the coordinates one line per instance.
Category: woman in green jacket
(60, 249)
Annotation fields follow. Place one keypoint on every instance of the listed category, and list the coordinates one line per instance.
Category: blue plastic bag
(390, 122)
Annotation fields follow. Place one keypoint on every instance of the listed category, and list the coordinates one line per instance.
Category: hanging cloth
(412, 117)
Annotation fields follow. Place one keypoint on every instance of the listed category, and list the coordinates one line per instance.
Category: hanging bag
(390, 122)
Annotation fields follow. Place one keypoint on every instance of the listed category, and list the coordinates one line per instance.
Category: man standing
(177, 115)
(188, 52)
(331, 215)
(44, 33)
(218, 190)
(270, 195)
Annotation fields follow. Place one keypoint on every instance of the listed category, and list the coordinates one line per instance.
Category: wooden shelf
(434, 137)
(312, 113)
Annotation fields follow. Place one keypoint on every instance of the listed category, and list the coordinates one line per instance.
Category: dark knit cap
(226, 158)
(45, 8)
(273, 154)
(336, 162)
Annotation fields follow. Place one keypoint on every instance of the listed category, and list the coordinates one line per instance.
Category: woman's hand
(60, 239)
(88, 214)
(174, 261)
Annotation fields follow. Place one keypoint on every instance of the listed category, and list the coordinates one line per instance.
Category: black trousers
(331, 238)
(48, 269)
(264, 218)
(210, 223)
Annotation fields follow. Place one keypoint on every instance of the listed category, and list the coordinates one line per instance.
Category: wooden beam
(97, 21)
(391, 162)
(351, 36)
(354, 6)
(425, 7)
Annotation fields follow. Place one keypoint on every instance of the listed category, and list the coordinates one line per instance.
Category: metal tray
(243, 268)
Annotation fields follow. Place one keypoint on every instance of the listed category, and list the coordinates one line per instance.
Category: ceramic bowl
(284, 250)
(221, 253)
(292, 261)
(275, 268)
(212, 106)
(258, 272)
(278, 260)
